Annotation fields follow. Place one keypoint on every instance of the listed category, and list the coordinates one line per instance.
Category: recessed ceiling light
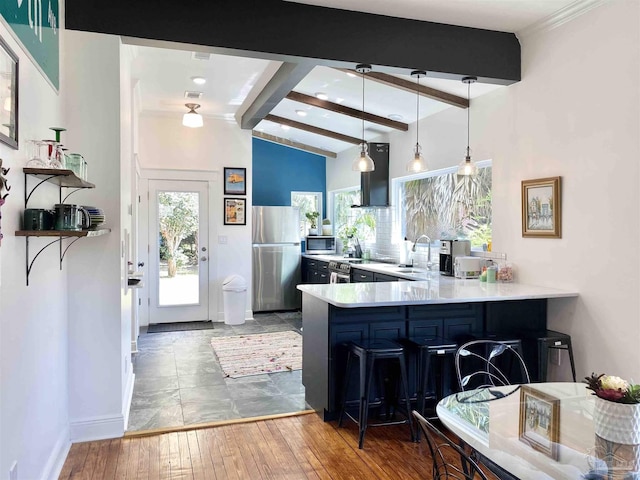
(302, 113)
(395, 116)
(285, 127)
(199, 80)
(322, 96)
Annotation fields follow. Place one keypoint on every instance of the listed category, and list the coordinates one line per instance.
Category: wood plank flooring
(296, 448)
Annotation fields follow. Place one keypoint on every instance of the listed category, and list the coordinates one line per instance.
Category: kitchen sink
(411, 270)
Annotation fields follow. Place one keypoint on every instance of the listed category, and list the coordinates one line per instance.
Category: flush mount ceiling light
(363, 162)
(322, 96)
(418, 163)
(192, 119)
(301, 113)
(199, 80)
(468, 167)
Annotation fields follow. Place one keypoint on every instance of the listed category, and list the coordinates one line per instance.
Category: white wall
(575, 114)
(166, 145)
(33, 320)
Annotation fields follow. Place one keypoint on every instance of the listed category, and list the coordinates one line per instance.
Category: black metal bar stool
(429, 349)
(551, 340)
(368, 352)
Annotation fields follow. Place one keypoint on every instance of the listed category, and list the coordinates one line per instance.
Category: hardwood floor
(301, 447)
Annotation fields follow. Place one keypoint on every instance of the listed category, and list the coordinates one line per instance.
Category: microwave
(320, 245)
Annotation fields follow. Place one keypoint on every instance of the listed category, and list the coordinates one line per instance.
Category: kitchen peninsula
(333, 314)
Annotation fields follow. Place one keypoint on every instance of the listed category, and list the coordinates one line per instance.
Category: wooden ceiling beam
(410, 86)
(351, 112)
(292, 144)
(312, 129)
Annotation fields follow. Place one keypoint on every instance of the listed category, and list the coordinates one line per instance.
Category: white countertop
(436, 290)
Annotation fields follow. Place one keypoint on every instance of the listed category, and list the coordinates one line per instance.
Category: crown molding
(560, 17)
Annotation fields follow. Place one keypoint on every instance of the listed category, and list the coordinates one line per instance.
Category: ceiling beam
(292, 144)
(312, 129)
(288, 76)
(410, 86)
(351, 112)
(290, 31)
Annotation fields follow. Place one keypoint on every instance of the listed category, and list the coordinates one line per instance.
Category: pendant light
(192, 119)
(418, 163)
(468, 167)
(363, 162)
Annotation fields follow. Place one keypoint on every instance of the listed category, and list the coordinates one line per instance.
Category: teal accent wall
(279, 170)
(35, 23)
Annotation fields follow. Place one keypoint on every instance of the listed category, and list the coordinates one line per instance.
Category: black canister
(38, 219)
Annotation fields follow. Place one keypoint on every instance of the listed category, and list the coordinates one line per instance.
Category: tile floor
(179, 380)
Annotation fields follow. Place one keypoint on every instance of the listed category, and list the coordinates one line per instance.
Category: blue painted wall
(279, 170)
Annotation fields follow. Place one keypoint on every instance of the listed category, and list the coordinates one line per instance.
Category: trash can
(234, 291)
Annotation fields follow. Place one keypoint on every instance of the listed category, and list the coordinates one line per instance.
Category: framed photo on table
(235, 181)
(235, 211)
(542, 208)
(539, 421)
(8, 96)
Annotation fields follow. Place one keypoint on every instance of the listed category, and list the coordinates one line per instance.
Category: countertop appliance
(320, 245)
(449, 250)
(276, 258)
(467, 267)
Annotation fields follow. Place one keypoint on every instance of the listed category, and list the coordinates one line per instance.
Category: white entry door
(178, 251)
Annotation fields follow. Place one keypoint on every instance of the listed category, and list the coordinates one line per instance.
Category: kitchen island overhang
(334, 314)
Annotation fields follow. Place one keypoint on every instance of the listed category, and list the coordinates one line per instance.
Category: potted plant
(313, 222)
(617, 410)
(326, 227)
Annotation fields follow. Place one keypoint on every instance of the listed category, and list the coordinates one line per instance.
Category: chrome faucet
(413, 249)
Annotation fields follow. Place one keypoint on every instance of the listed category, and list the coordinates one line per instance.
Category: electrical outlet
(13, 471)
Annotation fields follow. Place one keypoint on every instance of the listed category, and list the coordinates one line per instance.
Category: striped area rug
(244, 355)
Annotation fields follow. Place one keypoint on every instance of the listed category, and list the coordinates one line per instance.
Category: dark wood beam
(312, 129)
(351, 112)
(288, 76)
(292, 144)
(288, 31)
(411, 86)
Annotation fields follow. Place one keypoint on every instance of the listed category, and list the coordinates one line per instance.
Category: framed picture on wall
(541, 208)
(8, 96)
(235, 181)
(234, 211)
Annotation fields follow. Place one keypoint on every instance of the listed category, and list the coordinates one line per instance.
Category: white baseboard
(128, 396)
(54, 465)
(97, 428)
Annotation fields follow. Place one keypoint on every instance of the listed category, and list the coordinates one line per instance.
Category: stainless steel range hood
(375, 185)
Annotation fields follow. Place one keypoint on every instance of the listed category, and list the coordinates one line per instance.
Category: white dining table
(540, 431)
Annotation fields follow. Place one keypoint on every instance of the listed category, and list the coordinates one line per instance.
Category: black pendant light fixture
(468, 167)
(418, 163)
(363, 162)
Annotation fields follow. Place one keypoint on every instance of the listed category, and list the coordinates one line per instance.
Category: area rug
(179, 327)
(244, 355)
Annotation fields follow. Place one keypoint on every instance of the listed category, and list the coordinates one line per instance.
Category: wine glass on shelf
(34, 153)
(52, 153)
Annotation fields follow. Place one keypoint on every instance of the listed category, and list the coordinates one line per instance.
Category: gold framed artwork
(234, 211)
(539, 421)
(8, 96)
(542, 208)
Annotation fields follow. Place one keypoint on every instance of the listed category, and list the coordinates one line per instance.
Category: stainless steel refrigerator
(276, 258)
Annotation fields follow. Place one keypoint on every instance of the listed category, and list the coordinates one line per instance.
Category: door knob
(203, 258)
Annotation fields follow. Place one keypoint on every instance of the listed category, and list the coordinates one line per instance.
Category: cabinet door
(340, 336)
(381, 277)
(387, 330)
(361, 275)
(323, 276)
(425, 328)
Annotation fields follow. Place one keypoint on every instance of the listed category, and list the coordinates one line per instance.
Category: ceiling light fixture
(468, 167)
(363, 162)
(192, 119)
(418, 163)
(301, 113)
(199, 80)
(322, 96)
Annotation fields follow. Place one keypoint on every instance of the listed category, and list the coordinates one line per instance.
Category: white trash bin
(234, 292)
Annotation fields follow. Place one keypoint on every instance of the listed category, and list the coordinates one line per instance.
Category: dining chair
(449, 460)
(489, 363)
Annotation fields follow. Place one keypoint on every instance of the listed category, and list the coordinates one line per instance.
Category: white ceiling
(164, 75)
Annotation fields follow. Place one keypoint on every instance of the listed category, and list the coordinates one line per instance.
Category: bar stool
(428, 350)
(551, 340)
(368, 352)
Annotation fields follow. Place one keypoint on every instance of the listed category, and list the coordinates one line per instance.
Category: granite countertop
(435, 290)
